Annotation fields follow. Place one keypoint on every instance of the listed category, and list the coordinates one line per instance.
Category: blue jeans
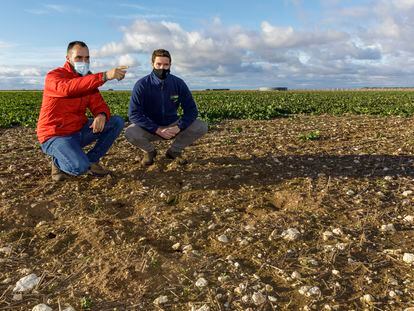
(67, 153)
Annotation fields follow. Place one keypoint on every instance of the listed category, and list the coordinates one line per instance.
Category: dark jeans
(67, 153)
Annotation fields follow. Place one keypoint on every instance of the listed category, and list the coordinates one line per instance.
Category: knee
(79, 167)
(133, 134)
(117, 122)
(200, 127)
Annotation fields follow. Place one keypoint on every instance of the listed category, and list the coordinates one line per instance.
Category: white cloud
(31, 72)
(127, 60)
(345, 45)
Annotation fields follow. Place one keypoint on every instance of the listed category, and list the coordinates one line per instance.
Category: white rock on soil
(335, 272)
(258, 298)
(314, 291)
(350, 192)
(41, 307)
(223, 238)
(304, 289)
(295, 275)
(409, 219)
(337, 231)
(161, 300)
(176, 246)
(201, 282)
(69, 308)
(388, 228)
(272, 298)
(367, 299)
(409, 309)
(326, 235)
(406, 193)
(408, 257)
(187, 248)
(26, 283)
(341, 246)
(290, 234)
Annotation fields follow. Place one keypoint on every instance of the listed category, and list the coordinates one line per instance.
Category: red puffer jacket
(65, 99)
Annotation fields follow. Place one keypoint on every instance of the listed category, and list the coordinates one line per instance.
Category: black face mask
(161, 73)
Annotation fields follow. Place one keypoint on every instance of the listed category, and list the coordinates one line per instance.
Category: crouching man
(153, 110)
(63, 128)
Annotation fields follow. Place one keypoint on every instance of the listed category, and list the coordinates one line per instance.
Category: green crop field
(22, 107)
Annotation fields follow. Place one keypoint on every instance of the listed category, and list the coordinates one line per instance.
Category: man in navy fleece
(153, 109)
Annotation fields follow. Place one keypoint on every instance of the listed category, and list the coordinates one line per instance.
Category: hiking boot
(97, 170)
(57, 174)
(170, 154)
(149, 158)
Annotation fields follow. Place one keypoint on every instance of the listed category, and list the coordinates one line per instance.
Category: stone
(409, 219)
(26, 283)
(314, 291)
(326, 235)
(290, 234)
(406, 193)
(41, 307)
(408, 257)
(295, 275)
(388, 228)
(160, 300)
(201, 282)
(367, 299)
(223, 238)
(258, 298)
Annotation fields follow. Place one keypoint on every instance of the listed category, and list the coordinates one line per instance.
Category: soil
(106, 243)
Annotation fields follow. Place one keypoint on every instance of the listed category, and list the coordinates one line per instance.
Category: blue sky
(216, 44)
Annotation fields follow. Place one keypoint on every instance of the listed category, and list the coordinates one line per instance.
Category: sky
(236, 44)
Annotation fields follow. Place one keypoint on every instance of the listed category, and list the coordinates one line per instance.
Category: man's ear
(67, 57)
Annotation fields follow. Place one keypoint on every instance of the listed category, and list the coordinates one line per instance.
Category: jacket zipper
(162, 102)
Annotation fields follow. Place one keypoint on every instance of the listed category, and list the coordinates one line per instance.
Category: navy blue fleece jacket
(154, 103)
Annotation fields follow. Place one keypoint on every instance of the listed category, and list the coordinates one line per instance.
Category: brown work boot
(98, 170)
(149, 158)
(57, 174)
(170, 154)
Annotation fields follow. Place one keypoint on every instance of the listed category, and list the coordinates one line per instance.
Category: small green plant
(313, 135)
(238, 129)
(86, 303)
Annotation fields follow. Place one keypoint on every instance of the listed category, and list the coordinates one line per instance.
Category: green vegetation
(86, 303)
(22, 107)
(312, 135)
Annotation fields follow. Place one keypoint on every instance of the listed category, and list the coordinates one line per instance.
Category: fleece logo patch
(174, 99)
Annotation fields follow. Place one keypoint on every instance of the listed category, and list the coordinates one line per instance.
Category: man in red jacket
(63, 128)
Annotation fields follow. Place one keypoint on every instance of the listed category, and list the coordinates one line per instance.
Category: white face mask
(81, 67)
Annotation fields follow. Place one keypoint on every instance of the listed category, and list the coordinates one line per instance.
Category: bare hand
(169, 132)
(98, 123)
(116, 73)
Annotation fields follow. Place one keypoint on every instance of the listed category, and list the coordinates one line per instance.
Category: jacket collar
(157, 80)
(69, 67)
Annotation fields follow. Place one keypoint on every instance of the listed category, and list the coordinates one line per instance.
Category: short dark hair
(73, 43)
(160, 53)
